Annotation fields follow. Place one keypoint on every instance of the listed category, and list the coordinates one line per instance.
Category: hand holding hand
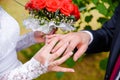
(40, 36)
(75, 39)
(44, 55)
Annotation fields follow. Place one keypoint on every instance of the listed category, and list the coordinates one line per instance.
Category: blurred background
(93, 14)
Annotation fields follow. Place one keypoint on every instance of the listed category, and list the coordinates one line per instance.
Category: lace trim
(30, 70)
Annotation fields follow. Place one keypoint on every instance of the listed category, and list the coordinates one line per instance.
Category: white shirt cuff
(91, 35)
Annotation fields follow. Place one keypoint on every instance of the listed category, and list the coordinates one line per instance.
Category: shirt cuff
(91, 35)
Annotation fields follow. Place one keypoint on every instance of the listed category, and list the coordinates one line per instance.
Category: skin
(40, 36)
(44, 55)
(79, 40)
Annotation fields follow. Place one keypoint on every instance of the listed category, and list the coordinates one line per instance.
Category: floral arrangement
(46, 15)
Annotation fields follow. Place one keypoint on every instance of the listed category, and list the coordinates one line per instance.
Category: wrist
(42, 68)
(39, 59)
(89, 35)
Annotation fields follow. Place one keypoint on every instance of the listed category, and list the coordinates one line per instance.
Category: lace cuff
(30, 70)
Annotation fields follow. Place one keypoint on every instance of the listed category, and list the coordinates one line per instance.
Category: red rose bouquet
(48, 14)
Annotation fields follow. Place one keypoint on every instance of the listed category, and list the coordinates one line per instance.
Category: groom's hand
(75, 39)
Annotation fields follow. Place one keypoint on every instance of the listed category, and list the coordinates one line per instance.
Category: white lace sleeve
(25, 41)
(28, 71)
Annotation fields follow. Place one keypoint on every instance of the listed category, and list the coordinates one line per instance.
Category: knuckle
(57, 63)
(56, 54)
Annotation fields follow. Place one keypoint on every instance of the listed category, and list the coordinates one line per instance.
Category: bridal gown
(11, 42)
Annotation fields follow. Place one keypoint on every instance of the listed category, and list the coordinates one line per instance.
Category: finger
(62, 69)
(51, 36)
(80, 52)
(50, 39)
(42, 39)
(59, 52)
(59, 45)
(54, 35)
(50, 46)
(71, 47)
(61, 60)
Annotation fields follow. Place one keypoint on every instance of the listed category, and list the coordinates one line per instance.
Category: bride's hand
(44, 56)
(40, 36)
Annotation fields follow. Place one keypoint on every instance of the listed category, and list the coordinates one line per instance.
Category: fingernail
(73, 70)
(71, 53)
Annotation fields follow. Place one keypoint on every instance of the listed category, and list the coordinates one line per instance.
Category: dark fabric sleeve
(102, 38)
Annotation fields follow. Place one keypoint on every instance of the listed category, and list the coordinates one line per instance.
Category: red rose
(76, 12)
(53, 5)
(67, 8)
(39, 4)
(65, 0)
(29, 6)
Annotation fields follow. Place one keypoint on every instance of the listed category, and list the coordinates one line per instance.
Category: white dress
(10, 42)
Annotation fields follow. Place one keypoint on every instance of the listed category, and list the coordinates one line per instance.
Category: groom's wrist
(90, 34)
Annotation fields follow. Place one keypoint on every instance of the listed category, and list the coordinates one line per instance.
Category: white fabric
(9, 34)
(91, 36)
(47, 27)
(118, 76)
(30, 70)
(10, 67)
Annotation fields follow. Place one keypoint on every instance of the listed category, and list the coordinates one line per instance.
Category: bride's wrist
(39, 59)
(42, 68)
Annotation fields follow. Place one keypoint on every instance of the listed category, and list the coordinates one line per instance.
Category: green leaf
(82, 8)
(80, 3)
(80, 59)
(88, 18)
(59, 74)
(88, 27)
(103, 64)
(95, 1)
(70, 62)
(71, 17)
(105, 0)
(102, 9)
(26, 54)
(57, 13)
(102, 20)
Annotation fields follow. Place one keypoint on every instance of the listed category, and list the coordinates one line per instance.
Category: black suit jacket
(108, 39)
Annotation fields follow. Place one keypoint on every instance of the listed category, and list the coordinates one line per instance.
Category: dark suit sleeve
(102, 38)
